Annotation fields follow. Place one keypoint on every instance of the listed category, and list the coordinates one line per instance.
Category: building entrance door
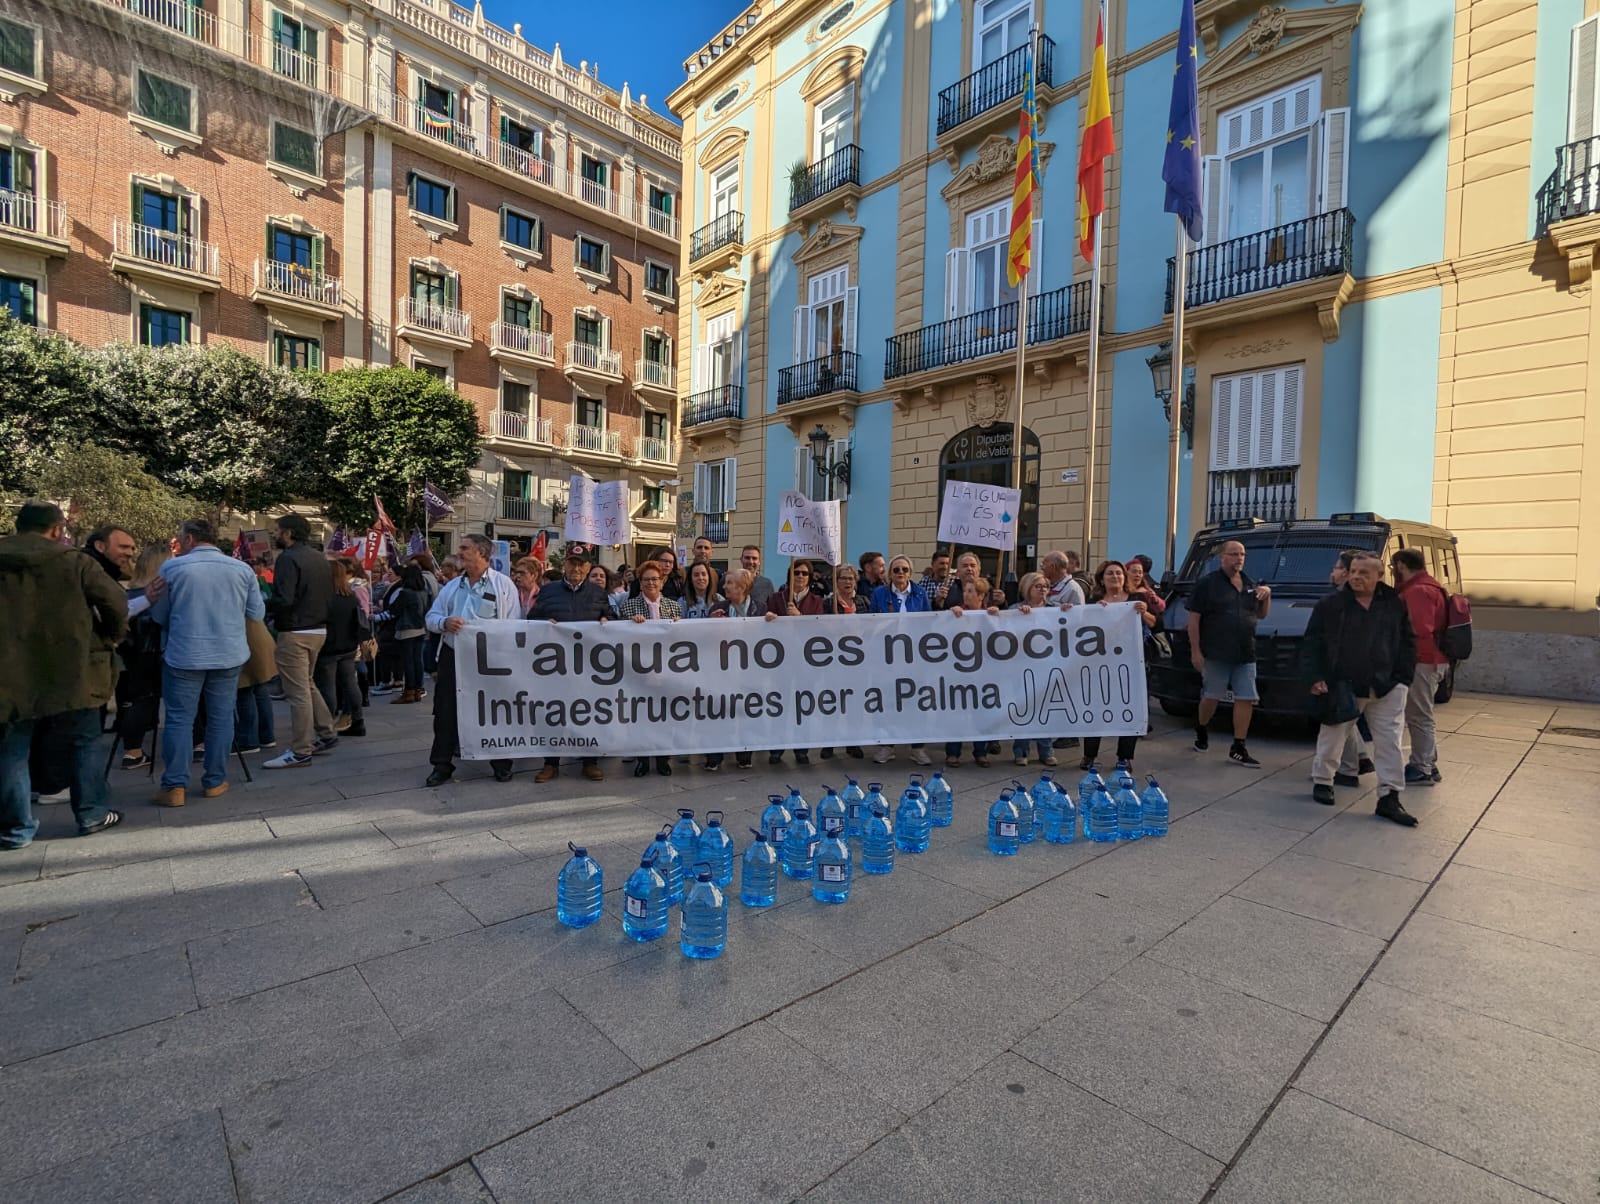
(982, 455)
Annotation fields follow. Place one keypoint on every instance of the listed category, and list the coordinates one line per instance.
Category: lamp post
(1160, 365)
(839, 471)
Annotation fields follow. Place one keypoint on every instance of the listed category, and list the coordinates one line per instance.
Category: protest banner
(597, 511)
(808, 530)
(500, 558)
(662, 688)
(984, 516)
(256, 543)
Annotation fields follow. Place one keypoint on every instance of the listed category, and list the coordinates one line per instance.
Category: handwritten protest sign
(808, 530)
(500, 558)
(597, 511)
(980, 515)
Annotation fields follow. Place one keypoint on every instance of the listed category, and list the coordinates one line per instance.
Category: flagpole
(1175, 408)
(1008, 560)
(1090, 475)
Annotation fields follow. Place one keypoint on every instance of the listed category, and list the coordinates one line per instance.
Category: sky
(640, 42)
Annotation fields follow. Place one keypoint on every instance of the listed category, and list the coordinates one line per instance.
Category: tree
(45, 399)
(96, 485)
(387, 431)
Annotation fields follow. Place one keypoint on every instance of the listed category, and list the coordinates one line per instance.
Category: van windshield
(1298, 556)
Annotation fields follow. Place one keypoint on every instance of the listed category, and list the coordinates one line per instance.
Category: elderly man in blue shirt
(201, 604)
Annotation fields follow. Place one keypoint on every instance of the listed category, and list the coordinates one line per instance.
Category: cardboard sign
(597, 512)
(984, 516)
(808, 530)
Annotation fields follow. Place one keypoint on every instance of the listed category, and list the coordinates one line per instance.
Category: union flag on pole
(384, 523)
(1019, 254)
(1097, 145)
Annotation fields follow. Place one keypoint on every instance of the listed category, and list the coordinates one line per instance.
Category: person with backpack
(1428, 605)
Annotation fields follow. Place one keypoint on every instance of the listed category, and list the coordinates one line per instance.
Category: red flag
(371, 549)
(540, 546)
(383, 524)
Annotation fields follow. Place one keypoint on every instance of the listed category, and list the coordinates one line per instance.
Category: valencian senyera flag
(1097, 145)
(1019, 254)
(1181, 168)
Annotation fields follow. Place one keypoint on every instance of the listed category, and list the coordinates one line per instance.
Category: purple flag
(338, 542)
(390, 552)
(416, 545)
(434, 502)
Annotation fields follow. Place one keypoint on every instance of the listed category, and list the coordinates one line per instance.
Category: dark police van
(1294, 558)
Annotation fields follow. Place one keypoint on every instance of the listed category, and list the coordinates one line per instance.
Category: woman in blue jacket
(901, 595)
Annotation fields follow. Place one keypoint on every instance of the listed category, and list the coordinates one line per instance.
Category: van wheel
(1181, 709)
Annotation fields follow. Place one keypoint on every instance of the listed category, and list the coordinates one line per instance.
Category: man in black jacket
(1362, 652)
(573, 599)
(302, 590)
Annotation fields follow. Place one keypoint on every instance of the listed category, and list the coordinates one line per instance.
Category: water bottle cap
(916, 779)
(714, 819)
(776, 799)
(827, 790)
(685, 813)
(875, 787)
(761, 837)
(1151, 778)
(849, 779)
(576, 851)
(702, 873)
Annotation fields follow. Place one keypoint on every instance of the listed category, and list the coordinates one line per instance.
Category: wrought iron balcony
(656, 450)
(839, 169)
(594, 439)
(293, 282)
(831, 373)
(525, 163)
(1573, 189)
(522, 340)
(508, 424)
(724, 231)
(715, 529)
(187, 18)
(420, 117)
(1052, 315)
(1265, 493)
(712, 405)
(1304, 250)
(161, 251)
(994, 84)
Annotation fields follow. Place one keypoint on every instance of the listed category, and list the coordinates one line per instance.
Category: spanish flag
(1019, 254)
(1096, 147)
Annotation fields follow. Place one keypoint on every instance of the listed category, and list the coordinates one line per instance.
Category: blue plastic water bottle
(1130, 815)
(941, 801)
(916, 784)
(1156, 809)
(1087, 785)
(1056, 813)
(668, 864)
(832, 864)
(703, 931)
(1023, 802)
(716, 849)
(775, 821)
(874, 795)
(831, 814)
(795, 799)
(1120, 777)
(911, 823)
(686, 839)
(877, 836)
(800, 846)
(579, 890)
(758, 883)
(1003, 826)
(855, 812)
(1102, 820)
(644, 903)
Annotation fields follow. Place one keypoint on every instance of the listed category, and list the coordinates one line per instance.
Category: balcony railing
(163, 247)
(594, 439)
(508, 336)
(524, 163)
(661, 222)
(25, 212)
(518, 509)
(1304, 250)
(994, 84)
(715, 529)
(417, 116)
(1052, 315)
(507, 424)
(293, 280)
(1573, 189)
(657, 450)
(832, 373)
(590, 358)
(838, 169)
(1264, 493)
(187, 18)
(441, 319)
(712, 405)
(727, 229)
(655, 373)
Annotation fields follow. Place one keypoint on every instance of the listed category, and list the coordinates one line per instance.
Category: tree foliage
(97, 485)
(44, 399)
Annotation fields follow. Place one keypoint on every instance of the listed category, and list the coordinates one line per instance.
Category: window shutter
(450, 204)
(666, 350)
(270, 242)
(277, 26)
(605, 260)
(1582, 121)
(537, 234)
(308, 42)
(411, 189)
(699, 488)
(850, 308)
(1334, 139)
(1213, 174)
(536, 315)
(800, 352)
(802, 470)
(605, 334)
(505, 128)
(188, 219)
(697, 369)
(1245, 408)
(837, 451)
(316, 256)
(451, 284)
(1266, 429)
(730, 485)
(577, 251)
(956, 262)
(1221, 423)
(1289, 416)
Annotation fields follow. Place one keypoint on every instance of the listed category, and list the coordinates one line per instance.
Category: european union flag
(1181, 168)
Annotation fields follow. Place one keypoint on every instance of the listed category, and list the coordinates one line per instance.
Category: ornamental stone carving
(986, 403)
(1266, 31)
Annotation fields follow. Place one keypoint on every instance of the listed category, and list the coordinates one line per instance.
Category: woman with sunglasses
(790, 600)
(900, 595)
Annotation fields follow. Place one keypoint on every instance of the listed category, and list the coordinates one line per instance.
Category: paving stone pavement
(334, 984)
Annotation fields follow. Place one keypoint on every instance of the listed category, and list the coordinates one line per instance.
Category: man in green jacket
(63, 618)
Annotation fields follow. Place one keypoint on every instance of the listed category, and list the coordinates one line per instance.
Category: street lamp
(1160, 365)
(840, 469)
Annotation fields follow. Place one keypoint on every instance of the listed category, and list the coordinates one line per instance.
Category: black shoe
(1365, 766)
(1239, 755)
(713, 764)
(1085, 765)
(1065, 742)
(1346, 779)
(1323, 794)
(355, 731)
(641, 767)
(1389, 807)
(827, 754)
(440, 775)
(502, 773)
(1202, 739)
(1436, 775)
(1417, 776)
(775, 758)
(802, 757)
(664, 767)
(855, 751)
(113, 818)
(742, 762)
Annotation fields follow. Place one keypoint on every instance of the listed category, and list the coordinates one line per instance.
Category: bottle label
(1007, 828)
(811, 851)
(779, 835)
(635, 907)
(854, 811)
(833, 873)
(832, 825)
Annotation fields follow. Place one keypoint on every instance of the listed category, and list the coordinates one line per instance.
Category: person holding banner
(573, 599)
(1033, 593)
(701, 597)
(792, 599)
(761, 588)
(479, 593)
(1111, 586)
(974, 596)
(650, 604)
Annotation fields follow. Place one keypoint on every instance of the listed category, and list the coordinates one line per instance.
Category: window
(1000, 26)
(17, 49)
(519, 229)
(431, 197)
(657, 278)
(436, 111)
(18, 189)
(437, 371)
(21, 297)
(590, 411)
(432, 291)
(169, 223)
(725, 191)
(1255, 444)
(592, 256)
(164, 102)
(293, 247)
(655, 501)
(294, 48)
(594, 179)
(516, 398)
(718, 361)
(588, 331)
(520, 312)
(655, 349)
(524, 138)
(296, 351)
(835, 123)
(975, 275)
(162, 327)
(655, 426)
(1583, 87)
(660, 201)
(516, 484)
(826, 324)
(816, 484)
(296, 149)
(716, 486)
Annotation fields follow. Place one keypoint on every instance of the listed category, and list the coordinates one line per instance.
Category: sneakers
(1436, 775)
(1389, 808)
(112, 819)
(288, 760)
(1020, 762)
(1321, 793)
(325, 745)
(1346, 779)
(919, 757)
(1240, 755)
(248, 748)
(217, 791)
(199, 753)
(1202, 739)
(1418, 776)
(886, 754)
(381, 690)
(1050, 762)
(135, 760)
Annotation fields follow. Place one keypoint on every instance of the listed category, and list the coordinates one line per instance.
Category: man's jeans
(1386, 717)
(182, 690)
(1419, 716)
(308, 713)
(253, 718)
(17, 823)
